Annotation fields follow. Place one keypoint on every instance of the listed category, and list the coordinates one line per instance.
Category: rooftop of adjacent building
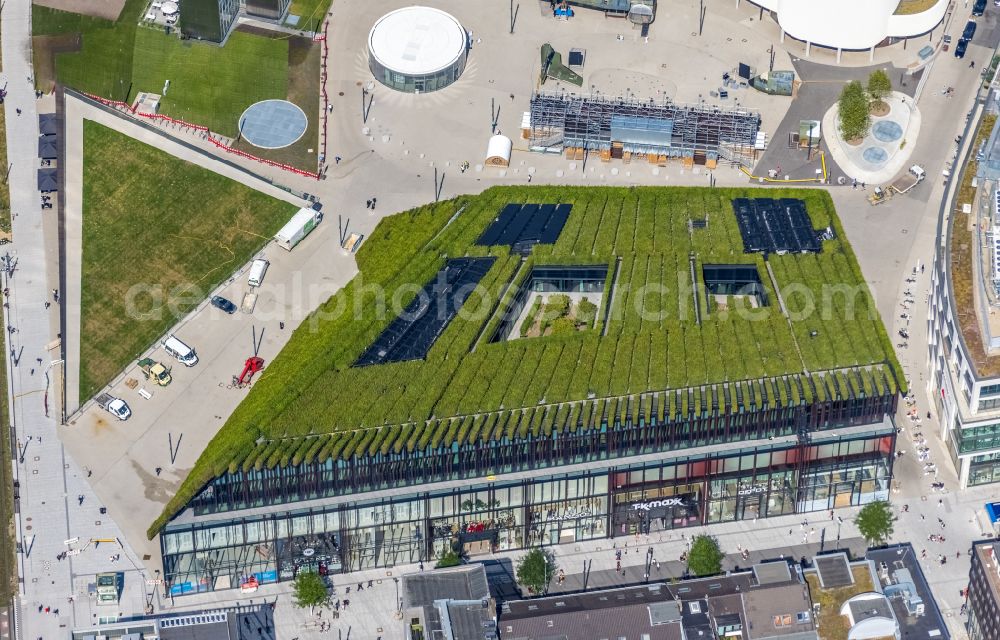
(771, 601)
(968, 289)
(903, 583)
(234, 623)
(454, 602)
(988, 554)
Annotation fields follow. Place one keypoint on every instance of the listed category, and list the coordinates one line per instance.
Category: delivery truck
(914, 176)
(297, 228)
(155, 371)
(115, 406)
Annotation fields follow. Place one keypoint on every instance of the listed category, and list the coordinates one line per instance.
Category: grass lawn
(103, 62)
(4, 187)
(304, 63)
(832, 625)
(8, 561)
(310, 13)
(152, 219)
(210, 85)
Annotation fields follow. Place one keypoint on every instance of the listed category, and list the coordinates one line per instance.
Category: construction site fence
(157, 117)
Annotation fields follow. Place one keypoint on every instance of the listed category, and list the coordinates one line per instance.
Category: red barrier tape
(221, 145)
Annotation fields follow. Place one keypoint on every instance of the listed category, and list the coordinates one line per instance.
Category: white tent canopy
(498, 151)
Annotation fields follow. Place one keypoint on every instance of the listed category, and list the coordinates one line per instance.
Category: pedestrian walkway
(54, 587)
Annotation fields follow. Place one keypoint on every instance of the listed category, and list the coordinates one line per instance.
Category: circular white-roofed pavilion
(417, 49)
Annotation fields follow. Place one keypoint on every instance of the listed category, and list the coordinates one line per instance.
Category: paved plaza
(393, 154)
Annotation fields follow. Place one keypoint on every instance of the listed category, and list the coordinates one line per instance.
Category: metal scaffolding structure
(657, 131)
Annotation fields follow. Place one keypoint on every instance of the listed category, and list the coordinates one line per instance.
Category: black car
(225, 305)
(979, 8)
(960, 48)
(970, 30)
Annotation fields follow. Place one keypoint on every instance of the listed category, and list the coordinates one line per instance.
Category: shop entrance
(843, 498)
(656, 515)
(750, 507)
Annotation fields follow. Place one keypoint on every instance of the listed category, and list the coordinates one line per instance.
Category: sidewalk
(49, 511)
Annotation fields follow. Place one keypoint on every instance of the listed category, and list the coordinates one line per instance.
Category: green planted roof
(310, 404)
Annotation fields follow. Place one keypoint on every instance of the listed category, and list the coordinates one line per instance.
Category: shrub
(563, 326)
(449, 559)
(529, 320)
(556, 306)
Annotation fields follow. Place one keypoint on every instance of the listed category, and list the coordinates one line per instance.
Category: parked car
(969, 31)
(960, 48)
(979, 8)
(225, 305)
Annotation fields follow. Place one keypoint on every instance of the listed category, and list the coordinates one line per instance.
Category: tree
(875, 522)
(449, 559)
(879, 85)
(705, 557)
(854, 117)
(309, 590)
(586, 313)
(535, 569)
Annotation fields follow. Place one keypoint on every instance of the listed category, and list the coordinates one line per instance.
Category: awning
(48, 148)
(47, 124)
(47, 180)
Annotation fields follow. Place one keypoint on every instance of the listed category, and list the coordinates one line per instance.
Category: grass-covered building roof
(816, 334)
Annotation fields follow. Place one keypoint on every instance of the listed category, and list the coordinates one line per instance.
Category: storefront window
(567, 521)
(984, 469)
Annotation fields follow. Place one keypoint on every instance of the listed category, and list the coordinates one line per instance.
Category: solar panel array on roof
(522, 226)
(411, 335)
(775, 226)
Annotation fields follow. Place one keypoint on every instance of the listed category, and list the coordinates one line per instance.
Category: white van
(184, 354)
(257, 271)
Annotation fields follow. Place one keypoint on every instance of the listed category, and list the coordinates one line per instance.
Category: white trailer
(297, 228)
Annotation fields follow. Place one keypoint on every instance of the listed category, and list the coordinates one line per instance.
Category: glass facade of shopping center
(589, 432)
(481, 517)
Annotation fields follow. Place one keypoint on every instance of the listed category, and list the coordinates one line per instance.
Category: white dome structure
(498, 151)
(417, 49)
(851, 24)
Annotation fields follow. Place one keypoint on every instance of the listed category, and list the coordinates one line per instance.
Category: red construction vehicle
(252, 365)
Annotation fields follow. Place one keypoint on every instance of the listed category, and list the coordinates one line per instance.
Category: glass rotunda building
(417, 49)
